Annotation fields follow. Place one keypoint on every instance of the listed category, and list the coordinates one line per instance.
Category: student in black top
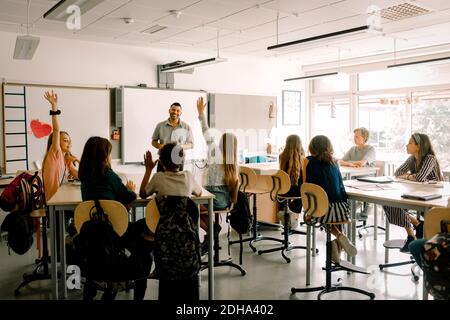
(99, 181)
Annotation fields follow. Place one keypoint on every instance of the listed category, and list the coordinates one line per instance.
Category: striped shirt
(427, 172)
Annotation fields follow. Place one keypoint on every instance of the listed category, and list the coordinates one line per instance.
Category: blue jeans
(415, 247)
(222, 197)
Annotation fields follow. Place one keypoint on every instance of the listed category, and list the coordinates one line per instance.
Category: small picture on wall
(291, 107)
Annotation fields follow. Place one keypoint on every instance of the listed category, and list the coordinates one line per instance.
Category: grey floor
(268, 276)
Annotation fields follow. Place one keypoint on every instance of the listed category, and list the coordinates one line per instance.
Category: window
(430, 115)
(291, 108)
(387, 118)
(331, 118)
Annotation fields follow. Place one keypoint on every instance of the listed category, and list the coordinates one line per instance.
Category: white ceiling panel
(166, 4)
(246, 26)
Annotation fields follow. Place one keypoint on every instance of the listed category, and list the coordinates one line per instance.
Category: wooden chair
(315, 202)
(118, 216)
(248, 186)
(281, 183)
(432, 222)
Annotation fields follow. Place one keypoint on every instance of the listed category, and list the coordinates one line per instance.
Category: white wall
(74, 62)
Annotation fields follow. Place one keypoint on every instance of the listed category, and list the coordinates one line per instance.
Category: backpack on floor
(177, 244)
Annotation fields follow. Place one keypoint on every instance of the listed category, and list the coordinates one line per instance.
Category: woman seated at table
(421, 166)
(362, 154)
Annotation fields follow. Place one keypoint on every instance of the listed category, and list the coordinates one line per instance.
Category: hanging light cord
(218, 54)
(28, 17)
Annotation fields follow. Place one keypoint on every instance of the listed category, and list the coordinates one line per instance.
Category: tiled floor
(268, 276)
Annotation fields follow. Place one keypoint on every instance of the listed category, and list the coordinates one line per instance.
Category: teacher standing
(173, 130)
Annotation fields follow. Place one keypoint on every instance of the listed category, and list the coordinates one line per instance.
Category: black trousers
(179, 290)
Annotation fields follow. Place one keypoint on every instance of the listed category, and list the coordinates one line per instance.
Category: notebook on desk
(421, 195)
(382, 179)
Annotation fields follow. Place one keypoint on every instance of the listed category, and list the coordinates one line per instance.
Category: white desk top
(392, 192)
(70, 194)
(272, 167)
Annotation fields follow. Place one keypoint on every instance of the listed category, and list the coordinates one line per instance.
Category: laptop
(382, 179)
(421, 195)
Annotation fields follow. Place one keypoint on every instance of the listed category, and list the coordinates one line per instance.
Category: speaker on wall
(118, 107)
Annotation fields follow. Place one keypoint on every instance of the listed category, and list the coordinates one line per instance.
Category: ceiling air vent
(154, 29)
(402, 11)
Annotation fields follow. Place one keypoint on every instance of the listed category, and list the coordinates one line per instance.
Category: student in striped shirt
(421, 166)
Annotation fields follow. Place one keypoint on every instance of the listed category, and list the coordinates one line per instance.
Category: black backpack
(100, 249)
(19, 226)
(177, 244)
(239, 217)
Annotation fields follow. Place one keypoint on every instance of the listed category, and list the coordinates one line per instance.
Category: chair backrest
(433, 218)
(117, 214)
(314, 200)
(380, 164)
(247, 178)
(152, 215)
(281, 183)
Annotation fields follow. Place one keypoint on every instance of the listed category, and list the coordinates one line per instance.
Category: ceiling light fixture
(417, 62)
(59, 11)
(181, 65)
(332, 35)
(314, 76)
(26, 45)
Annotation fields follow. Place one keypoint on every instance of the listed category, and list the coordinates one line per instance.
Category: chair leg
(286, 244)
(227, 262)
(42, 263)
(328, 269)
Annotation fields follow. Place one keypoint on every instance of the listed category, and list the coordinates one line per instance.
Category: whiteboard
(144, 108)
(247, 116)
(84, 113)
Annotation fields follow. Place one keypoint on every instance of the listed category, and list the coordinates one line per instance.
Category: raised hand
(52, 98)
(131, 185)
(201, 105)
(148, 161)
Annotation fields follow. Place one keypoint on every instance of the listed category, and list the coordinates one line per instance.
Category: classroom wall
(75, 62)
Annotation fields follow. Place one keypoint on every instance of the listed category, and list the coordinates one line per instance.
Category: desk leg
(308, 255)
(375, 222)
(424, 289)
(62, 254)
(210, 250)
(386, 238)
(54, 263)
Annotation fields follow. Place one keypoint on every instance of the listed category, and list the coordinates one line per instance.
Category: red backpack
(17, 193)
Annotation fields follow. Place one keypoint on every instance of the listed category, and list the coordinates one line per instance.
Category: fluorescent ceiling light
(189, 65)
(59, 10)
(333, 35)
(417, 62)
(313, 76)
(154, 29)
(25, 47)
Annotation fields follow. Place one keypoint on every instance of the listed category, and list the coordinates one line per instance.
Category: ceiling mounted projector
(25, 47)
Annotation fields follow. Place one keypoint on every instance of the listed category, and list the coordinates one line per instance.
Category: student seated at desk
(99, 181)
(171, 182)
(360, 155)
(222, 173)
(59, 162)
(322, 169)
(291, 162)
(421, 166)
